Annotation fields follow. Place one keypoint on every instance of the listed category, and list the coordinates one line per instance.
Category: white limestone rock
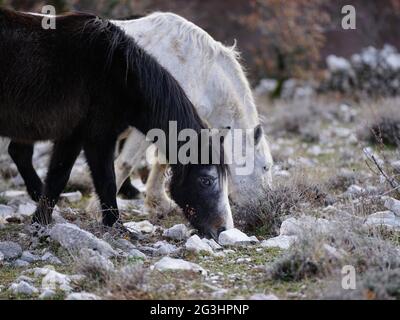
(72, 238)
(177, 232)
(195, 244)
(235, 237)
(170, 264)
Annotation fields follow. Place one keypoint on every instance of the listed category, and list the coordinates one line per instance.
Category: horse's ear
(258, 132)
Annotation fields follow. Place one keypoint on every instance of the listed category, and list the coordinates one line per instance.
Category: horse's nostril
(221, 229)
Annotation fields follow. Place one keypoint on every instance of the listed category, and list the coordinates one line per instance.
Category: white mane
(197, 36)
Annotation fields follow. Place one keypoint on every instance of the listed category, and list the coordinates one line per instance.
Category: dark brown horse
(81, 85)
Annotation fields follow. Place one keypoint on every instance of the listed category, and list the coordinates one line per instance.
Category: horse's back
(44, 79)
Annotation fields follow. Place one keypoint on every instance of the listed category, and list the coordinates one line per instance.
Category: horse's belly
(38, 128)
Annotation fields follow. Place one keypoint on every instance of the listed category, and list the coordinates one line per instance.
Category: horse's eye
(207, 181)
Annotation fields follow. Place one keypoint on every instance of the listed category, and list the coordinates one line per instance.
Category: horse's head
(251, 173)
(202, 193)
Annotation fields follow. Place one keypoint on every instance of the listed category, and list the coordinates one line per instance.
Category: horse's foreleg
(62, 160)
(131, 154)
(22, 157)
(101, 163)
(157, 203)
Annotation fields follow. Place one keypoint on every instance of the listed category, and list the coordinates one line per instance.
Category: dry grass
(375, 260)
(382, 123)
(125, 282)
(128, 283)
(264, 215)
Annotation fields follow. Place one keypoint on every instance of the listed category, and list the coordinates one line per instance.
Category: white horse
(215, 82)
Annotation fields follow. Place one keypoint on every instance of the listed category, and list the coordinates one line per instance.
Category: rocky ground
(333, 204)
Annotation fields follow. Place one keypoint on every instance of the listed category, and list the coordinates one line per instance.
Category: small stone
(50, 258)
(164, 248)
(212, 244)
(282, 242)
(234, 237)
(170, 264)
(5, 212)
(10, 250)
(195, 244)
(261, 296)
(12, 194)
(297, 226)
(123, 244)
(177, 232)
(47, 294)
(333, 252)
(385, 218)
(393, 205)
(2, 258)
(82, 296)
(27, 209)
(355, 190)
(396, 166)
(21, 263)
(254, 239)
(23, 288)
(54, 280)
(39, 272)
(95, 259)
(135, 253)
(72, 238)
(71, 197)
(25, 278)
(29, 257)
(142, 227)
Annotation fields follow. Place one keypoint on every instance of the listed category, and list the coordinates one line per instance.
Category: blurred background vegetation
(278, 39)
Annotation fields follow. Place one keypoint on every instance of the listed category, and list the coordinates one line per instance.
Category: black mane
(81, 85)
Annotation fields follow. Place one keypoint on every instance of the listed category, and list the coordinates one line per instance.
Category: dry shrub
(264, 214)
(373, 285)
(125, 282)
(341, 180)
(305, 259)
(94, 266)
(382, 123)
(128, 283)
(355, 246)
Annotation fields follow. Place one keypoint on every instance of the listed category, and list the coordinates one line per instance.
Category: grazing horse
(81, 85)
(215, 82)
